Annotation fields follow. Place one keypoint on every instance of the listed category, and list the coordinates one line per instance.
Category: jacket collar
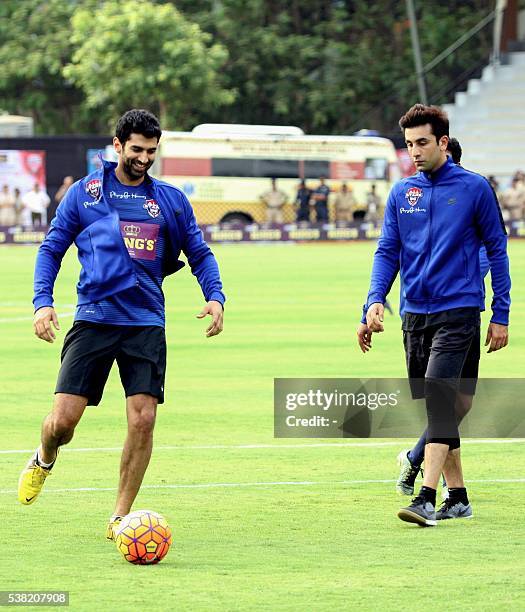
(432, 177)
(107, 166)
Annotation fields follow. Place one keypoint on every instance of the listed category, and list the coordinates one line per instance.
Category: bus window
(376, 169)
(224, 173)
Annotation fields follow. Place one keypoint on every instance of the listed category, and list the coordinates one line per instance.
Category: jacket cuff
(42, 301)
(374, 298)
(363, 315)
(217, 296)
(500, 317)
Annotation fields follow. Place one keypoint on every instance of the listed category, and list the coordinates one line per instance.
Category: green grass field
(258, 523)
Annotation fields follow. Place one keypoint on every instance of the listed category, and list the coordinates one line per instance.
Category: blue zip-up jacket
(432, 231)
(85, 217)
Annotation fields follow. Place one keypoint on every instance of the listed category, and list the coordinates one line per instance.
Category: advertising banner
(22, 169)
(291, 232)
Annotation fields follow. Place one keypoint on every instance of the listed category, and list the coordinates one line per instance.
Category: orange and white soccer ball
(143, 537)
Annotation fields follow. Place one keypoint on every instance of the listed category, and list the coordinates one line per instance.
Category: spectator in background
(62, 190)
(493, 183)
(513, 199)
(320, 197)
(302, 201)
(19, 206)
(373, 205)
(519, 175)
(345, 203)
(37, 202)
(7, 207)
(274, 200)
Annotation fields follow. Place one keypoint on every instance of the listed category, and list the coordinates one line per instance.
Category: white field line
(284, 483)
(68, 313)
(262, 446)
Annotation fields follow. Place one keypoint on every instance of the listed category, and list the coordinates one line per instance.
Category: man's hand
(497, 337)
(364, 337)
(42, 323)
(214, 309)
(374, 317)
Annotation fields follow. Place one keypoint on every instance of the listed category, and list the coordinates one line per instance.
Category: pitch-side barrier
(232, 233)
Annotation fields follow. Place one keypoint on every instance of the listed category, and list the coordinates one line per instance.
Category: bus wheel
(237, 217)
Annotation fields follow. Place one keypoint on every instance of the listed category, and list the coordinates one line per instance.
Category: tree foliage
(131, 54)
(34, 48)
(330, 66)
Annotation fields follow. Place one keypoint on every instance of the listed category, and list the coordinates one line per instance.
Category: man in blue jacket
(435, 222)
(129, 230)
(411, 460)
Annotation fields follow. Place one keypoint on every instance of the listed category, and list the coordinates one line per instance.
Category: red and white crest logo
(94, 188)
(153, 208)
(34, 162)
(413, 195)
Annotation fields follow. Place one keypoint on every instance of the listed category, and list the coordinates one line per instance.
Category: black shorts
(448, 348)
(91, 348)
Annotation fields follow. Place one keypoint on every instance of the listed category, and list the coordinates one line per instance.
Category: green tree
(330, 66)
(334, 66)
(34, 48)
(130, 54)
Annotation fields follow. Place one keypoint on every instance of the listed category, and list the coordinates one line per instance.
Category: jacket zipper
(425, 271)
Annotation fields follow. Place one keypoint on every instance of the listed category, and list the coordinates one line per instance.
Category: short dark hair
(420, 114)
(137, 121)
(455, 150)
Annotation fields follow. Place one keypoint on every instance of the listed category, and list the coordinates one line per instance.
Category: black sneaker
(420, 511)
(453, 509)
(407, 475)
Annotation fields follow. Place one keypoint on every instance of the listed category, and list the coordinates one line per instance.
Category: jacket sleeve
(386, 257)
(493, 234)
(64, 228)
(202, 261)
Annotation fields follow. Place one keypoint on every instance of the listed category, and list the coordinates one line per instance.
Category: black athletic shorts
(442, 346)
(91, 348)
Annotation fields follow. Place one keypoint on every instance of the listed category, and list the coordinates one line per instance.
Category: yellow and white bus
(224, 168)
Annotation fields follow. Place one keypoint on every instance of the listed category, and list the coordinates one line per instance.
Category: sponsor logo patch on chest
(153, 208)
(413, 195)
(94, 188)
(140, 239)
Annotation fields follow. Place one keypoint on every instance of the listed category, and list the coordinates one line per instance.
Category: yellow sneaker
(113, 524)
(31, 481)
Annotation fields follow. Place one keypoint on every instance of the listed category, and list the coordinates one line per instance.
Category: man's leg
(449, 348)
(57, 429)
(270, 216)
(456, 503)
(452, 469)
(435, 457)
(141, 411)
(59, 425)
(417, 345)
(451, 344)
(142, 366)
(416, 455)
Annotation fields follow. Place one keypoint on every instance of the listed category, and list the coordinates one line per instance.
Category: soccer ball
(143, 537)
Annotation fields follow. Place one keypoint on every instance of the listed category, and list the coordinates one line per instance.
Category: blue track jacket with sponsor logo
(432, 231)
(85, 217)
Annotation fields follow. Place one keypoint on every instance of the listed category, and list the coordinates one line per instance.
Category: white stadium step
(488, 119)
